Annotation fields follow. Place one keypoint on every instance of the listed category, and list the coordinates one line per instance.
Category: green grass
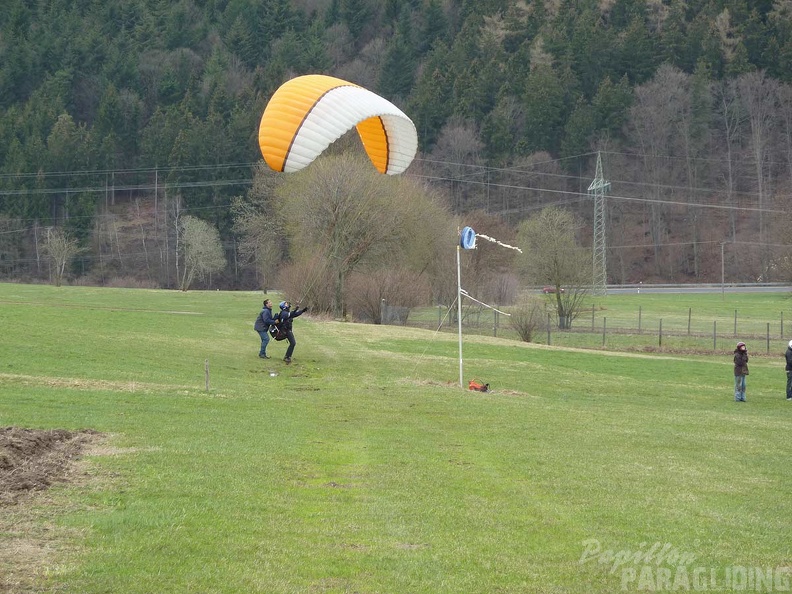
(362, 467)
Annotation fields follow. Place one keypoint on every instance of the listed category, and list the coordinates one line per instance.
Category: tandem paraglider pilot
(263, 323)
(285, 318)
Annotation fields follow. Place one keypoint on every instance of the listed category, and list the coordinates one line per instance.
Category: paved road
(613, 290)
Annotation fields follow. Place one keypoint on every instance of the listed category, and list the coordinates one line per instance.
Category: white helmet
(790, 344)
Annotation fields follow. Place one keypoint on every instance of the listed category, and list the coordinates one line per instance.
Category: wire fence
(686, 331)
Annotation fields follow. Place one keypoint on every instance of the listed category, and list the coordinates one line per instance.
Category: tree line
(118, 120)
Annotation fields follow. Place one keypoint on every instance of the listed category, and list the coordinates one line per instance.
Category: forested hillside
(118, 117)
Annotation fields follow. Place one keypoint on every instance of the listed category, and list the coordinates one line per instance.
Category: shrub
(528, 317)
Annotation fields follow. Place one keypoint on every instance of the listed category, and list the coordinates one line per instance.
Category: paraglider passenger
(285, 318)
(262, 326)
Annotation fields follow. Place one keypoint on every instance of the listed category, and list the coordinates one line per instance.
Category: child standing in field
(740, 371)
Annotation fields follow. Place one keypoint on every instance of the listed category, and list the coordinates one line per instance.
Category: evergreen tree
(579, 130)
(333, 14)
(755, 35)
(673, 37)
(638, 54)
(356, 14)
(434, 26)
(430, 103)
(543, 104)
(611, 105)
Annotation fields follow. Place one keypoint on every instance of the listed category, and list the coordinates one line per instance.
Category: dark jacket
(788, 356)
(740, 362)
(286, 317)
(264, 320)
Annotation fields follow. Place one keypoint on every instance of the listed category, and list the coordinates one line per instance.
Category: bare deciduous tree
(551, 256)
(201, 250)
(341, 209)
(759, 96)
(257, 222)
(61, 250)
(653, 124)
(398, 287)
(528, 317)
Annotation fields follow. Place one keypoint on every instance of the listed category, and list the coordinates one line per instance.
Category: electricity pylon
(597, 190)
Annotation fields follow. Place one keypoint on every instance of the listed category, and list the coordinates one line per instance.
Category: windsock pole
(459, 315)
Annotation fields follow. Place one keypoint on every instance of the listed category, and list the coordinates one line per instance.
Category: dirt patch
(33, 460)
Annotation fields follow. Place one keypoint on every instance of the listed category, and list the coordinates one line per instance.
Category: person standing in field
(740, 371)
(262, 326)
(285, 318)
(788, 356)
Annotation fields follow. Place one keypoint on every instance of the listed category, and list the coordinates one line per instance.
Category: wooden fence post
(548, 329)
(768, 337)
(604, 326)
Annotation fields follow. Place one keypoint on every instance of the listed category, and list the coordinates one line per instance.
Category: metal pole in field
(639, 319)
(690, 312)
(768, 337)
(604, 326)
(459, 315)
(660, 334)
(206, 373)
(715, 335)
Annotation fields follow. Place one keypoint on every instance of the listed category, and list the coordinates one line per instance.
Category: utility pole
(597, 190)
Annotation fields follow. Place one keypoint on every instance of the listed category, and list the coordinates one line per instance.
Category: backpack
(478, 386)
(277, 332)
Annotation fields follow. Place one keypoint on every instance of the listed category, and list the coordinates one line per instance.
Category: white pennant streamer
(493, 240)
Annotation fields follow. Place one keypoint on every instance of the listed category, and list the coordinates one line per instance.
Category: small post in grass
(548, 329)
(604, 329)
(660, 335)
(735, 323)
(639, 319)
(690, 313)
(715, 335)
(768, 337)
(782, 325)
(206, 373)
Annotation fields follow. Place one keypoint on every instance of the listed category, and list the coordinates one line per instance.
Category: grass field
(363, 467)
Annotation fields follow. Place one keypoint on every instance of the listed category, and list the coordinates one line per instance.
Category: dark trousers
(292, 344)
(789, 384)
